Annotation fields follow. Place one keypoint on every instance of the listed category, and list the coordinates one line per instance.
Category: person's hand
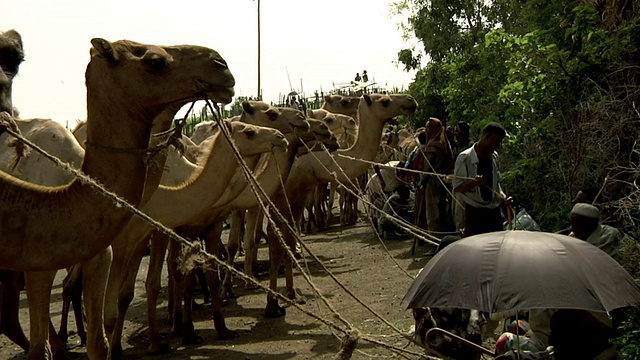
(479, 181)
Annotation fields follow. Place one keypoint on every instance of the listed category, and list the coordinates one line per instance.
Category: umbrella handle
(471, 345)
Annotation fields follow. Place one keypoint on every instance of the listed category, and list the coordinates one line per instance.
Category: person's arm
(461, 183)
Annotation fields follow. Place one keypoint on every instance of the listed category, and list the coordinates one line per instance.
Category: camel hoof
(192, 339)
(162, 348)
(274, 311)
(229, 295)
(227, 334)
(116, 353)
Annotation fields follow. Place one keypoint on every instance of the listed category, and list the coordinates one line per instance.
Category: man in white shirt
(477, 178)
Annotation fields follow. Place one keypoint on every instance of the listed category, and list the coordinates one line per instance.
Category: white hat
(586, 210)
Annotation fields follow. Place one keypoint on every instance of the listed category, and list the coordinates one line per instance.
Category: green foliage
(628, 342)
(561, 76)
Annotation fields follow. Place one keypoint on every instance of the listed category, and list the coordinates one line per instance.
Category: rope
(196, 248)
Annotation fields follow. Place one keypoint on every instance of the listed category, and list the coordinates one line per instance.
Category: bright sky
(319, 43)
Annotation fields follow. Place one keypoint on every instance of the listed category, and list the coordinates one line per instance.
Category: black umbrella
(522, 270)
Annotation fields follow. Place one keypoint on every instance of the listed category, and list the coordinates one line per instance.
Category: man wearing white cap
(585, 225)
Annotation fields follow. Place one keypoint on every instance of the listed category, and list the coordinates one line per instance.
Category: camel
(128, 86)
(318, 203)
(274, 170)
(373, 112)
(11, 56)
(129, 247)
(339, 104)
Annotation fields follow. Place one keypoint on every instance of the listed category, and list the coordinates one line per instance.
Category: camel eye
(273, 115)
(156, 63)
(249, 132)
(344, 102)
(385, 102)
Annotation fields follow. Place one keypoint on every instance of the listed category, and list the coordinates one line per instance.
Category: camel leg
(213, 246)
(176, 289)
(273, 309)
(78, 312)
(39, 285)
(126, 293)
(250, 244)
(153, 284)
(320, 214)
(189, 336)
(12, 283)
(72, 296)
(235, 238)
(331, 199)
(95, 274)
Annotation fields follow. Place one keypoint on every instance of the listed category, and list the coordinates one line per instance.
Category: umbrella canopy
(522, 270)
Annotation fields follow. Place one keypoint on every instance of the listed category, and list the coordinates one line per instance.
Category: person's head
(492, 135)
(403, 191)
(364, 72)
(434, 128)
(584, 220)
(422, 137)
(586, 195)
(461, 131)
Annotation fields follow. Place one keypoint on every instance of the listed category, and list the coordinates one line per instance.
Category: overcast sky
(318, 42)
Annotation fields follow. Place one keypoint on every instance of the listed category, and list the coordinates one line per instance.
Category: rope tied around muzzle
(8, 124)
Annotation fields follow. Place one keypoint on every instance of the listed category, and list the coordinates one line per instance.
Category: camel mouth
(410, 109)
(300, 128)
(331, 144)
(280, 146)
(392, 121)
(217, 93)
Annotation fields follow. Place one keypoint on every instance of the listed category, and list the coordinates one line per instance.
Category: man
(585, 225)
(398, 205)
(477, 178)
(415, 161)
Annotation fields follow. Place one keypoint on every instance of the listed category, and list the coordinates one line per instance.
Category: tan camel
(11, 56)
(318, 207)
(129, 248)
(374, 111)
(339, 104)
(120, 120)
(274, 173)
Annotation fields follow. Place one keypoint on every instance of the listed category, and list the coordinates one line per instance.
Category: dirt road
(354, 255)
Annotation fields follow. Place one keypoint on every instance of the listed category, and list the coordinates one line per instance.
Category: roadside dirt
(354, 255)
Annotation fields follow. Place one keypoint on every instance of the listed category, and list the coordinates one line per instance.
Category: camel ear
(246, 106)
(327, 98)
(367, 98)
(13, 35)
(309, 113)
(104, 48)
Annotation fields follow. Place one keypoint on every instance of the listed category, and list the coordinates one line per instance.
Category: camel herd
(51, 219)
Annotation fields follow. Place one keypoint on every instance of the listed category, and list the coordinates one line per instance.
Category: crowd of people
(472, 203)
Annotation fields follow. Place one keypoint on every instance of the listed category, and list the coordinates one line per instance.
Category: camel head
(327, 117)
(347, 122)
(150, 78)
(286, 120)
(385, 108)
(11, 56)
(253, 140)
(346, 105)
(323, 134)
